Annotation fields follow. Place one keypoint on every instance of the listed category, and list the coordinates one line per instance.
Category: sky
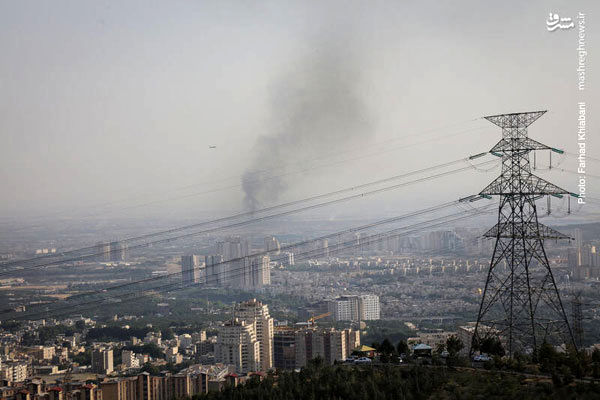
(110, 108)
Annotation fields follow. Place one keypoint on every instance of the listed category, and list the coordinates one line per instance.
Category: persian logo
(555, 22)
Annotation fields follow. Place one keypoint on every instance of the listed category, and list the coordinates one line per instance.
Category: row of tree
(320, 381)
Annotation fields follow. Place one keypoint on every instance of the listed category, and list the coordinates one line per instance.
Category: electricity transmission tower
(521, 305)
(577, 319)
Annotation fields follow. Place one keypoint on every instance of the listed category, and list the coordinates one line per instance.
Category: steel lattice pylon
(521, 304)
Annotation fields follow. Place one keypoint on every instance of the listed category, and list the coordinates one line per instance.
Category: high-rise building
(578, 235)
(102, 361)
(215, 275)
(233, 249)
(287, 259)
(344, 308)
(369, 307)
(190, 269)
(103, 252)
(352, 340)
(324, 246)
(237, 345)
(257, 272)
(255, 313)
(330, 344)
(355, 308)
(284, 348)
(272, 245)
(118, 251)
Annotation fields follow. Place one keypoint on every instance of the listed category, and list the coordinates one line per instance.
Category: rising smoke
(317, 108)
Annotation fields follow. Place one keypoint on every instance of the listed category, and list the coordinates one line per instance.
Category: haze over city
(299, 200)
(105, 103)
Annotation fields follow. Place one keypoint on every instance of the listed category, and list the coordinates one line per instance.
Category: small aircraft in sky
(212, 147)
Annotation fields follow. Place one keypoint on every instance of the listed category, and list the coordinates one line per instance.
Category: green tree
(402, 347)
(167, 334)
(492, 346)
(454, 345)
(386, 349)
(440, 348)
(547, 357)
(151, 369)
(596, 355)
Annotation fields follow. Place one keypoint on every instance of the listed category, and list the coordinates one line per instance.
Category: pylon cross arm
(516, 120)
(518, 144)
(528, 232)
(529, 185)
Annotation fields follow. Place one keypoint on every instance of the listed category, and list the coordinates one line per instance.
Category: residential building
(102, 361)
(190, 270)
(355, 308)
(130, 359)
(237, 345)
(284, 348)
(329, 344)
(256, 313)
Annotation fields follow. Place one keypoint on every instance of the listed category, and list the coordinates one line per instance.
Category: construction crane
(312, 319)
(67, 381)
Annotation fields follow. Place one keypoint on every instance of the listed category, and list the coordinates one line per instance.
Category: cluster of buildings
(111, 251)
(250, 342)
(38, 389)
(232, 266)
(17, 364)
(584, 259)
(441, 241)
(246, 345)
(194, 380)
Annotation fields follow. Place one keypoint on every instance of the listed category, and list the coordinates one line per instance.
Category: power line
(284, 205)
(337, 247)
(271, 177)
(288, 247)
(303, 162)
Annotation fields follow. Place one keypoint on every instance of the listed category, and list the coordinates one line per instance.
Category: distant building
(257, 272)
(190, 270)
(433, 339)
(130, 359)
(102, 361)
(233, 247)
(103, 252)
(584, 262)
(369, 307)
(287, 259)
(272, 245)
(14, 371)
(215, 270)
(185, 340)
(323, 245)
(578, 235)
(355, 308)
(118, 251)
(465, 334)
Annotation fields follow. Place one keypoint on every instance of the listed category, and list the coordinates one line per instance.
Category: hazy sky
(107, 102)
